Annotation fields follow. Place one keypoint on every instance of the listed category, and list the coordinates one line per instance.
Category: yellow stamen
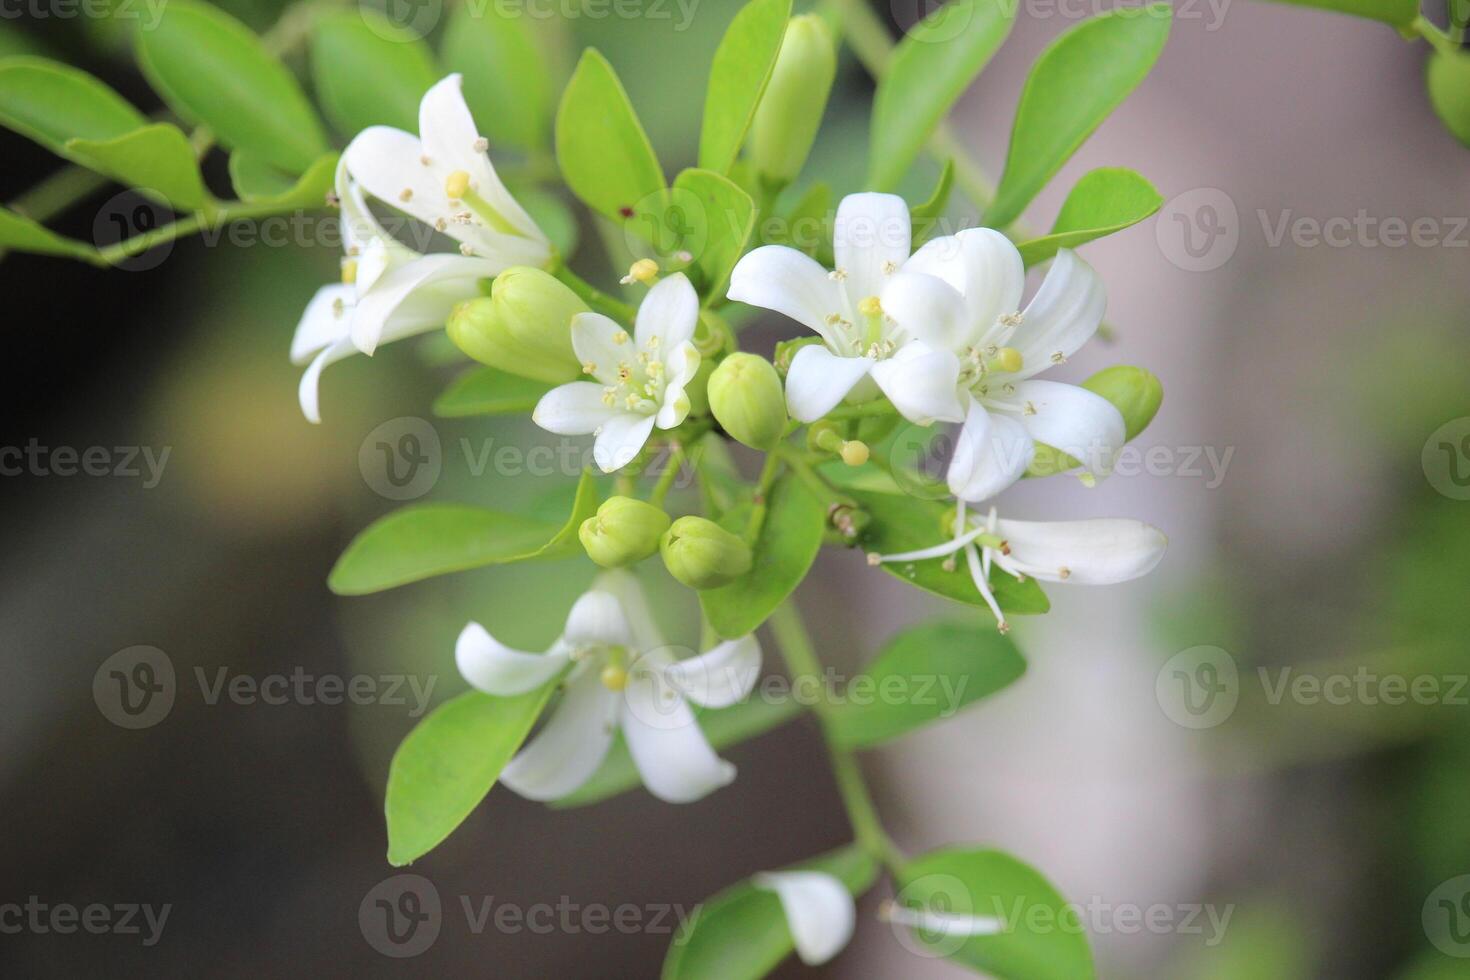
(644, 271)
(854, 452)
(1009, 360)
(457, 184)
(349, 271)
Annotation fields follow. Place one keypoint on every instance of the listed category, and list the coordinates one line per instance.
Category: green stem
(877, 408)
(801, 658)
(769, 469)
(666, 478)
(594, 297)
(818, 483)
(1426, 29)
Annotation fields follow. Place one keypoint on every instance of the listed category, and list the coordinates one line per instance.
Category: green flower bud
(1136, 393)
(703, 555)
(786, 351)
(698, 388)
(746, 398)
(524, 327)
(624, 531)
(786, 121)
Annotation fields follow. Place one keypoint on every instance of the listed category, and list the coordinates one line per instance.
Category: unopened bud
(790, 111)
(1134, 392)
(524, 327)
(623, 531)
(746, 398)
(703, 555)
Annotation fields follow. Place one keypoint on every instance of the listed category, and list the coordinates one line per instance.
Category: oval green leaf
(369, 71)
(1104, 201)
(257, 182)
(1074, 85)
(156, 159)
(487, 391)
(737, 78)
(1448, 79)
(25, 235)
(602, 150)
(925, 217)
(507, 82)
(716, 226)
(52, 103)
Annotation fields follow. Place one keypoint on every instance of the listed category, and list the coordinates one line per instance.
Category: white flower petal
(774, 277)
(1063, 315)
(325, 321)
(927, 308)
(721, 676)
(870, 240)
(670, 752)
(307, 390)
(669, 312)
(1084, 425)
(818, 379)
(820, 911)
(620, 440)
(387, 163)
(360, 227)
(597, 619)
(491, 666)
(573, 409)
(1093, 552)
(991, 454)
(415, 297)
(984, 266)
(938, 924)
(680, 368)
(594, 338)
(624, 584)
(921, 383)
(572, 744)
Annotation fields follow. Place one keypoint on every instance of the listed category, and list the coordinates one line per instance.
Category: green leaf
(723, 728)
(212, 70)
(720, 217)
(420, 542)
(157, 159)
(1103, 201)
(1399, 13)
(487, 391)
(790, 538)
(25, 235)
(52, 103)
(807, 226)
(369, 71)
(603, 152)
(257, 182)
(1078, 80)
(928, 673)
(1448, 78)
(447, 764)
(741, 933)
(903, 523)
(737, 79)
(1042, 938)
(507, 83)
(926, 216)
(931, 68)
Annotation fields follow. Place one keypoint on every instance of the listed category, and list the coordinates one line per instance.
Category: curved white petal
(984, 266)
(360, 227)
(818, 379)
(625, 586)
(921, 383)
(820, 911)
(669, 313)
(670, 752)
(491, 666)
(415, 297)
(991, 453)
(1062, 316)
(325, 321)
(775, 277)
(1101, 551)
(572, 744)
(927, 308)
(595, 338)
(307, 391)
(1082, 424)
(573, 409)
(388, 164)
(870, 240)
(620, 439)
(680, 367)
(720, 676)
(597, 619)
(943, 923)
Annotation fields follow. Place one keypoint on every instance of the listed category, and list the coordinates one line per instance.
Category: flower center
(458, 187)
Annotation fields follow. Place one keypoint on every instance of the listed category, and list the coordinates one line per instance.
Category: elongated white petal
(670, 752)
(620, 440)
(984, 266)
(991, 453)
(681, 365)
(1084, 425)
(669, 313)
(415, 297)
(820, 911)
(307, 392)
(1062, 316)
(927, 308)
(937, 924)
(602, 345)
(870, 240)
(573, 409)
(325, 321)
(572, 744)
(778, 278)
(597, 619)
(361, 227)
(720, 676)
(920, 381)
(388, 164)
(495, 668)
(1092, 552)
(624, 584)
(819, 379)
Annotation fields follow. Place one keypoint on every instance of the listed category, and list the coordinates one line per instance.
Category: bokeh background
(1327, 382)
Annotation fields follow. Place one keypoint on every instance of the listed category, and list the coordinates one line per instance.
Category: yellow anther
(614, 678)
(457, 184)
(1009, 360)
(854, 452)
(349, 271)
(588, 367)
(644, 271)
(621, 337)
(870, 307)
(406, 195)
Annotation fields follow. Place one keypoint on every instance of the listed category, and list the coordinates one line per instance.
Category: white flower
(1101, 551)
(940, 924)
(820, 911)
(962, 293)
(848, 307)
(621, 676)
(640, 378)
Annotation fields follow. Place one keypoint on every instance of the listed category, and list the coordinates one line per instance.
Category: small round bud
(614, 678)
(623, 531)
(457, 184)
(746, 398)
(1134, 392)
(698, 388)
(854, 452)
(524, 327)
(644, 271)
(790, 111)
(703, 555)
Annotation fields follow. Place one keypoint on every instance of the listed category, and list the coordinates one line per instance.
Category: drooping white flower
(848, 307)
(640, 377)
(619, 675)
(940, 924)
(1099, 551)
(820, 911)
(962, 293)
